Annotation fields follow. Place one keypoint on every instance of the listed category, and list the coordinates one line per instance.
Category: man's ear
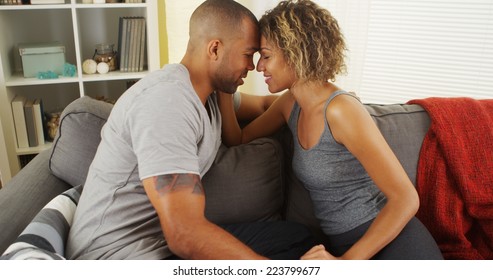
(213, 49)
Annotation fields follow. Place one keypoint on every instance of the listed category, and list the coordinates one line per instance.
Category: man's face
(237, 59)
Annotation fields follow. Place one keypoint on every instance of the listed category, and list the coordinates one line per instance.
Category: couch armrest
(24, 195)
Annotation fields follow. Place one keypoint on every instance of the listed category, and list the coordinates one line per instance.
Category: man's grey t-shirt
(159, 126)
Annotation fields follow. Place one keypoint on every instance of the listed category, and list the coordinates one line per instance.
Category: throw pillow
(77, 139)
(245, 183)
(44, 238)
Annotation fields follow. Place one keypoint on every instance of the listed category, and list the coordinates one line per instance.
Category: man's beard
(224, 81)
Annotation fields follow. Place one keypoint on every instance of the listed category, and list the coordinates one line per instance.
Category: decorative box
(42, 57)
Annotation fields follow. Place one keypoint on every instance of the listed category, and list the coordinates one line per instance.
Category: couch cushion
(403, 126)
(77, 139)
(245, 183)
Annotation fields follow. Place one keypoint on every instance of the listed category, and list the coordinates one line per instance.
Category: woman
(361, 194)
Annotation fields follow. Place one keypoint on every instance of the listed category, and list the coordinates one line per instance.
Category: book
(20, 121)
(32, 137)
(124, 47)
(133, 44)
(128, 44)
(39, 120)
(142, 44)
(136, 53)
(119, 47)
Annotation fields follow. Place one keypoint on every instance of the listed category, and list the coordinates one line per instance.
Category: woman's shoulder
(344, 103)
(344, 109)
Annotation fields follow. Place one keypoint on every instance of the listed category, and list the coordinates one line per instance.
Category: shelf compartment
(33, 26)
(109, 90)
(55, 96)
(106, 24)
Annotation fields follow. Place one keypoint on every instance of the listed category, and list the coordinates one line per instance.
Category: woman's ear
(213, 49)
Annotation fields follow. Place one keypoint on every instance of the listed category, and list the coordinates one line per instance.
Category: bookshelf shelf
(114, 75)
(33, 150)
(110, 6)
(34, 7)
(79, 27)
(18, 80)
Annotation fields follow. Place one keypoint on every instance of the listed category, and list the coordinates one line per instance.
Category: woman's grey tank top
(343, 194)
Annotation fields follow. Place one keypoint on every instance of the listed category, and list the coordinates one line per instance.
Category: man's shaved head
(219, 19)
(224, 36)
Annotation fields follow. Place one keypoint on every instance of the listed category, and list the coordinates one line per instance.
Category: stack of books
(29, 122)
(132, 44)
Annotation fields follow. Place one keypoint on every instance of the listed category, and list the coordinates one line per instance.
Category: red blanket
(455, 176)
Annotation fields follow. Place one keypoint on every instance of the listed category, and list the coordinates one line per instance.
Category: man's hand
(318, 252)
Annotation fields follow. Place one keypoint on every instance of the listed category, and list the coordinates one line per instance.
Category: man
(143, 197)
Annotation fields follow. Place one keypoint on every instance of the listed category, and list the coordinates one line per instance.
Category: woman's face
(278, 74)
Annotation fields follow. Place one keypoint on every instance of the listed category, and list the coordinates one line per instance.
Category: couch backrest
(404, 127)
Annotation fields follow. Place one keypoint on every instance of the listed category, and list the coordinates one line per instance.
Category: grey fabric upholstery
(78, 138)
(404, 127)
(245, 183)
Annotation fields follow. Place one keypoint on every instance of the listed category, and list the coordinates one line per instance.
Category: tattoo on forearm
(168, 183)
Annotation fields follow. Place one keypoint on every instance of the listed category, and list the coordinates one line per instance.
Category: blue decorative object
(47, 75)
(69, 70)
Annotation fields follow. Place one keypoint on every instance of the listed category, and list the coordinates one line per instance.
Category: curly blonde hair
(309, 38)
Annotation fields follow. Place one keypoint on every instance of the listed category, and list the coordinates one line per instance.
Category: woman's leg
(413, 243)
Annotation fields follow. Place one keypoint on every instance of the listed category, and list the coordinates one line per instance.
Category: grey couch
(246, 183)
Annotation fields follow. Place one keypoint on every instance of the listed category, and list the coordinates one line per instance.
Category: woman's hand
(318, 252)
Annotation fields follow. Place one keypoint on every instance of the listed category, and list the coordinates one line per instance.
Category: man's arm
(179, 201)
(268, 122)
(252, 106)
(249, 108)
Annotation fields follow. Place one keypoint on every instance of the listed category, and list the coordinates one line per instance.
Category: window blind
(418, 49)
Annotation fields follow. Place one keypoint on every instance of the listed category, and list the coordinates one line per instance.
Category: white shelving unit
(79, 27)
